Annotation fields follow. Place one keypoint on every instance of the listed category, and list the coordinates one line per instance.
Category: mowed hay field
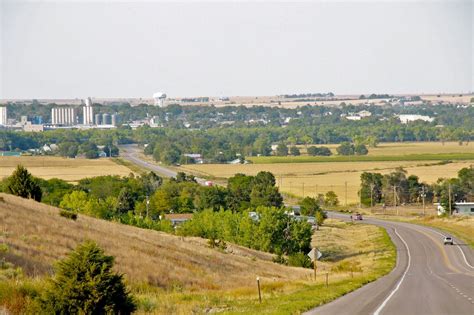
(312, 178)
(57, 167)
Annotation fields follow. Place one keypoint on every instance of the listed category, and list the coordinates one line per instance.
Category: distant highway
(429, 278)
(131, 152)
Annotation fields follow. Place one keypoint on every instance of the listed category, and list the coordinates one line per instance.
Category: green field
(362, 158)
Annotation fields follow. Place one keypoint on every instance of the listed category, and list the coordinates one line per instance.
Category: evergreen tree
(22, 183)
(84, 283)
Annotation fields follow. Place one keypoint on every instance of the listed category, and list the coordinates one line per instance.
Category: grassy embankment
(170, 274)
(460, 226)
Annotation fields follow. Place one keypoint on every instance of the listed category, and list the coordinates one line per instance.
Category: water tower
(159, 98)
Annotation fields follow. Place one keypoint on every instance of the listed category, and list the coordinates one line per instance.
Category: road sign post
(314, 255)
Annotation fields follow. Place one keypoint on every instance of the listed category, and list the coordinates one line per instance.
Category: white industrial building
(159, 98)
(3, 116)
(408, 118)
(65, 116)
(88, 112)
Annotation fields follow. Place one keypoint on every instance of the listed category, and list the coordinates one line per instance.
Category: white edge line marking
(377, 311)
(459, 247)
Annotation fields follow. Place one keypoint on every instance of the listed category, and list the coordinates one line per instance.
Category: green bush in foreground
(85, 284)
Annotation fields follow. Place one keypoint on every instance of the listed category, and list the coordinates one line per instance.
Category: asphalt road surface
(131, 153)
(429, 278)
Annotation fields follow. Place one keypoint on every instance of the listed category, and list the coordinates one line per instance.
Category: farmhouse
(461, 208)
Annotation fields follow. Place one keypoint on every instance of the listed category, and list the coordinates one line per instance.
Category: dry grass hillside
(37, 236)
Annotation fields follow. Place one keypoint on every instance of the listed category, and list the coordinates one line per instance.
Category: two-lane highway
(131, 152)
(429, 278)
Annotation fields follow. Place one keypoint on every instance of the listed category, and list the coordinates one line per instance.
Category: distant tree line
(309, 125)
(374, 96)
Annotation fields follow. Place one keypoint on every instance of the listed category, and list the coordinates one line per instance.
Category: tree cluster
(274, 231)
(397, 188)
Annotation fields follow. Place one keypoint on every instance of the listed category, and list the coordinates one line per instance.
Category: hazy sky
(69, 49)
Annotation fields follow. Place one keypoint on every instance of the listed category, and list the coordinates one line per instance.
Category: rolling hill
(37, 236)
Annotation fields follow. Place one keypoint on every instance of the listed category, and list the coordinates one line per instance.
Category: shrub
(330, 199)
(299, 260)
(68, 214)
(85, 284)
(295, 151)
(322, 151)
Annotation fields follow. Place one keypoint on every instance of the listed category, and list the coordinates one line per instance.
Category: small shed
(178, 218)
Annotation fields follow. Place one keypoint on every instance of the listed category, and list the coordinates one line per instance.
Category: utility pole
(423, 195)
(449, 198)
(395, 197)
(345, 188)
(371, 195)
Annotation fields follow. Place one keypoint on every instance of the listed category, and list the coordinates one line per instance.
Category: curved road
(131, 152)
(429, 278)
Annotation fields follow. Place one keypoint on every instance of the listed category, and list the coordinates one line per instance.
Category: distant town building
(3, 116)
(364, 113)
(88, 112)
(29, 127)
(38, 120)
(353, 117)
(63, 116)
(409, 118)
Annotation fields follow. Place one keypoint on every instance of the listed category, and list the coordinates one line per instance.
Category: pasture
(57, 167)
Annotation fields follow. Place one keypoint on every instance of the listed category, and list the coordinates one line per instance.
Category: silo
(98, 119)
(106, 119)
(115, 119)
